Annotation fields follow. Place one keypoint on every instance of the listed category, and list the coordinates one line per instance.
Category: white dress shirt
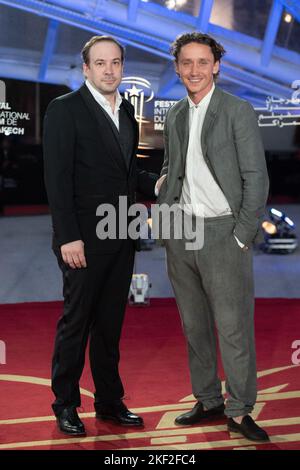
(105, 104)
(199, 186)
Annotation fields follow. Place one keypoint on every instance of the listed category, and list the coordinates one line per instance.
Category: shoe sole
(115, 420)
(67, 433)
(83, 433)
(236, 431)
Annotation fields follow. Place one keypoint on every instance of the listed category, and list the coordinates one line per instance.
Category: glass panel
(289, 35)
(246, 16)
(71, 40)
(16, 29)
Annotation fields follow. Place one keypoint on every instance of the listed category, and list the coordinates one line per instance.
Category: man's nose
(194, 69)
(108, 69)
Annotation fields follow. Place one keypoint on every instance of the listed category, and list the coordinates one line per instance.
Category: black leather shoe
(118, 413)
(69, 422)
(249, 429)
(197, 414)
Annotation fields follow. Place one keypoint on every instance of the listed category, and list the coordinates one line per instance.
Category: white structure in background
(139, 290)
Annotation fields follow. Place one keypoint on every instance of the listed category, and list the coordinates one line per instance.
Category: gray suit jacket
(233, 150)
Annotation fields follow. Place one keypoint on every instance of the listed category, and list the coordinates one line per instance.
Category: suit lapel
(106, 127)
(210, 117)
(182, 128)
(128, 110)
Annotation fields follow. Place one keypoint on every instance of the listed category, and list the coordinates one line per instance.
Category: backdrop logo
(281, 112)
(139, 92)
(296, 93)
(161, 107)
(10, 119)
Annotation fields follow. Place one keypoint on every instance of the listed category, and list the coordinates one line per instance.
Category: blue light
(281, 240)
(276, 212)
(289, 221)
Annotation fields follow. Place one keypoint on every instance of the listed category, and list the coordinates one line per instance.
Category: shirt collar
(204, 100)
(101, 99)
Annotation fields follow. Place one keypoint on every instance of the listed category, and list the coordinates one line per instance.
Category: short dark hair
(85, 53)
(186, 38)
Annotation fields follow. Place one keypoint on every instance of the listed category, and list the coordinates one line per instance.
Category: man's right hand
(159, 182)
(73, 254)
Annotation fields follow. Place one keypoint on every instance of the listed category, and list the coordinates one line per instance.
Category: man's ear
(84, 69)
(216, 67)
(176, 68)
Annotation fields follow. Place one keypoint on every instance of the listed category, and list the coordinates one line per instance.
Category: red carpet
(155, 373)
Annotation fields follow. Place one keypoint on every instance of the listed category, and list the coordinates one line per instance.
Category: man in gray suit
(214, 158)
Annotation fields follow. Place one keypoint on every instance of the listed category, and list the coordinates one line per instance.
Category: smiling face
(105, 67)
(196, 67)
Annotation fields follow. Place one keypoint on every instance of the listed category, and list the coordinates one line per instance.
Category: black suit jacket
(85, 167)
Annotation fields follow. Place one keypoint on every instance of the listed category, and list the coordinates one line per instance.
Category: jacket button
(176, 198)
(180, 178)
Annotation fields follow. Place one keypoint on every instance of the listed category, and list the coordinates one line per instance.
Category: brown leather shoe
(249, 429)
(197, 414)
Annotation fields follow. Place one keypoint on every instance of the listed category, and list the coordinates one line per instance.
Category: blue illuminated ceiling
(41, 40)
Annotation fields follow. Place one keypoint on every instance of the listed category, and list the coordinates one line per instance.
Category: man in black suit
(90, 141)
